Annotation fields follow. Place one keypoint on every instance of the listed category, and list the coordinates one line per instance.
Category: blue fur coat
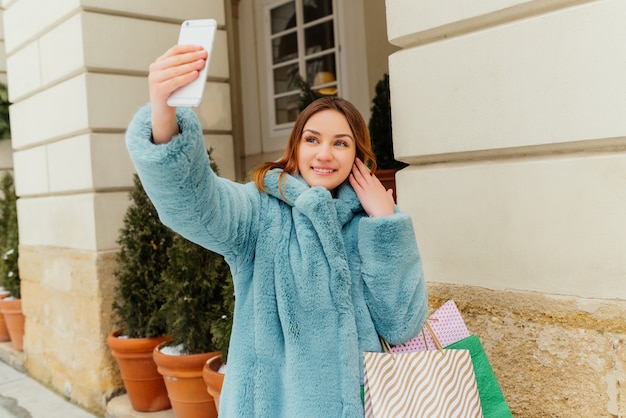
(316, 279)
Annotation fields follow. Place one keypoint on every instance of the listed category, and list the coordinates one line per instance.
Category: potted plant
(196, 283)
(382, 136)
(194, 280)
(4, 331)
(138, 297)
(11, 306)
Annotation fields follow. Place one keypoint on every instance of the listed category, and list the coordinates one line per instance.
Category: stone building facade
(510, 114)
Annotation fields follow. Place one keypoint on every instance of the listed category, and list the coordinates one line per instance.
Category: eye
(342, 143)
(310, 139)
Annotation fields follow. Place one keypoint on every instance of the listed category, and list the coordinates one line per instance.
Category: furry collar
(294, 191)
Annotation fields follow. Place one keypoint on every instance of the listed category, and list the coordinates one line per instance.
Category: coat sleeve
(190, 198)
(395, 290)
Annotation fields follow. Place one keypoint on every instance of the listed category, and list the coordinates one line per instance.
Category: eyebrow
(336, 136)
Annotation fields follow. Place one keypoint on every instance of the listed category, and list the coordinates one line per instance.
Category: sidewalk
(23, 397)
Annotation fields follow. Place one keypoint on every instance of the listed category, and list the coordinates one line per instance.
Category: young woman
(323, 261)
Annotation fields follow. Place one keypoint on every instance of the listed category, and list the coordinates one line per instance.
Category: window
(302, 42)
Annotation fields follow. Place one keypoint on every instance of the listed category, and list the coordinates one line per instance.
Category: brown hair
(289, 161)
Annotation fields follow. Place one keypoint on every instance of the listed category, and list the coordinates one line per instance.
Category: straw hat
(324, 77)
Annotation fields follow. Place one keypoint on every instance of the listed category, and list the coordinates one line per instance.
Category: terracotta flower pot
(144, 384)
(14, 319)
(213, 378)
(4, 331)
(185, 387)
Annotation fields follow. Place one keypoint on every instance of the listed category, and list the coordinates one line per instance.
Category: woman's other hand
(177, 67)
(371, 193)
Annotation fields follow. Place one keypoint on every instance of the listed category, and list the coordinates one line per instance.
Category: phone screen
(196, 32)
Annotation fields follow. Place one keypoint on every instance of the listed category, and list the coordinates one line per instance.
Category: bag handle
(432, 334)
(387, 347)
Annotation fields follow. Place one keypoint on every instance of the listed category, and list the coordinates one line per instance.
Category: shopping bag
(491, 398)
(423, 384)
(446, 323)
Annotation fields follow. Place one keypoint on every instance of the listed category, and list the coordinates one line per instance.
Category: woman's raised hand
(371, 193)
(179, 66)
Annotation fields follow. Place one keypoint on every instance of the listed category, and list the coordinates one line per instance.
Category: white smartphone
(194, 32)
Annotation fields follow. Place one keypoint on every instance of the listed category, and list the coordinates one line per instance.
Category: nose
(324, 153)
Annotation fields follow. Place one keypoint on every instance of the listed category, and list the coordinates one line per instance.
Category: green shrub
(5, 124)
(199, 297)
(380, 127)
(142, 258)
(195, 285)
(9, 237)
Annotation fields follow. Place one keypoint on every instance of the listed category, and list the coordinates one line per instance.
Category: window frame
(301, 58)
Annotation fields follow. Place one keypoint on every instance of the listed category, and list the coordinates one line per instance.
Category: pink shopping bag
(448, 326)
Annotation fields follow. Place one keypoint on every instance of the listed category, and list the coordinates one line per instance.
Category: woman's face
(327, 150)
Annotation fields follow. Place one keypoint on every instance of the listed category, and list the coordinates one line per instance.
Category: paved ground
(23, 397)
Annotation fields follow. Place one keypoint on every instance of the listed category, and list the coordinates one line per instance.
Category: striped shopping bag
(424, 384)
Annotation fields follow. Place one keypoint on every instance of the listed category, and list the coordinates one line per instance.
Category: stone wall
(67, 300)
(554, 356)
(511, 115)
(77, 73)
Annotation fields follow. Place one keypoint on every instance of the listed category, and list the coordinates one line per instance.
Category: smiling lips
(319, 170)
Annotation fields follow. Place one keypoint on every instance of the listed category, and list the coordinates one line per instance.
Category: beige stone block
(214, 111)
(114, 99)
(223, 154)
(547, 225)
(67, 325)
(561, 84)
(61, 270)
(24, 66)
(77, 164)
(6, 154)
(63, 40)
(218, 65)
(125, 43)
(44, 13)
(70, 163)
(618, 400)
(64, 221)
(419, 21)
(91, 101)
(31, 171)
(89, 162)
(112, 167)
(109, 210)
(3, 56)
(180, 10)
(24, 19)
(41, 117)
(142, 40)
(85, 221)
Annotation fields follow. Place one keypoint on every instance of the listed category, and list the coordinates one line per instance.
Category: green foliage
(195, 281)
(5, 125)
(380, 127)
(168, 285)
(223, 326)
(9, 237)
(142, 258)
(199, 301)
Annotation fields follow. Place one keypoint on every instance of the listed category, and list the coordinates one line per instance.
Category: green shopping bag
(491, 398)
